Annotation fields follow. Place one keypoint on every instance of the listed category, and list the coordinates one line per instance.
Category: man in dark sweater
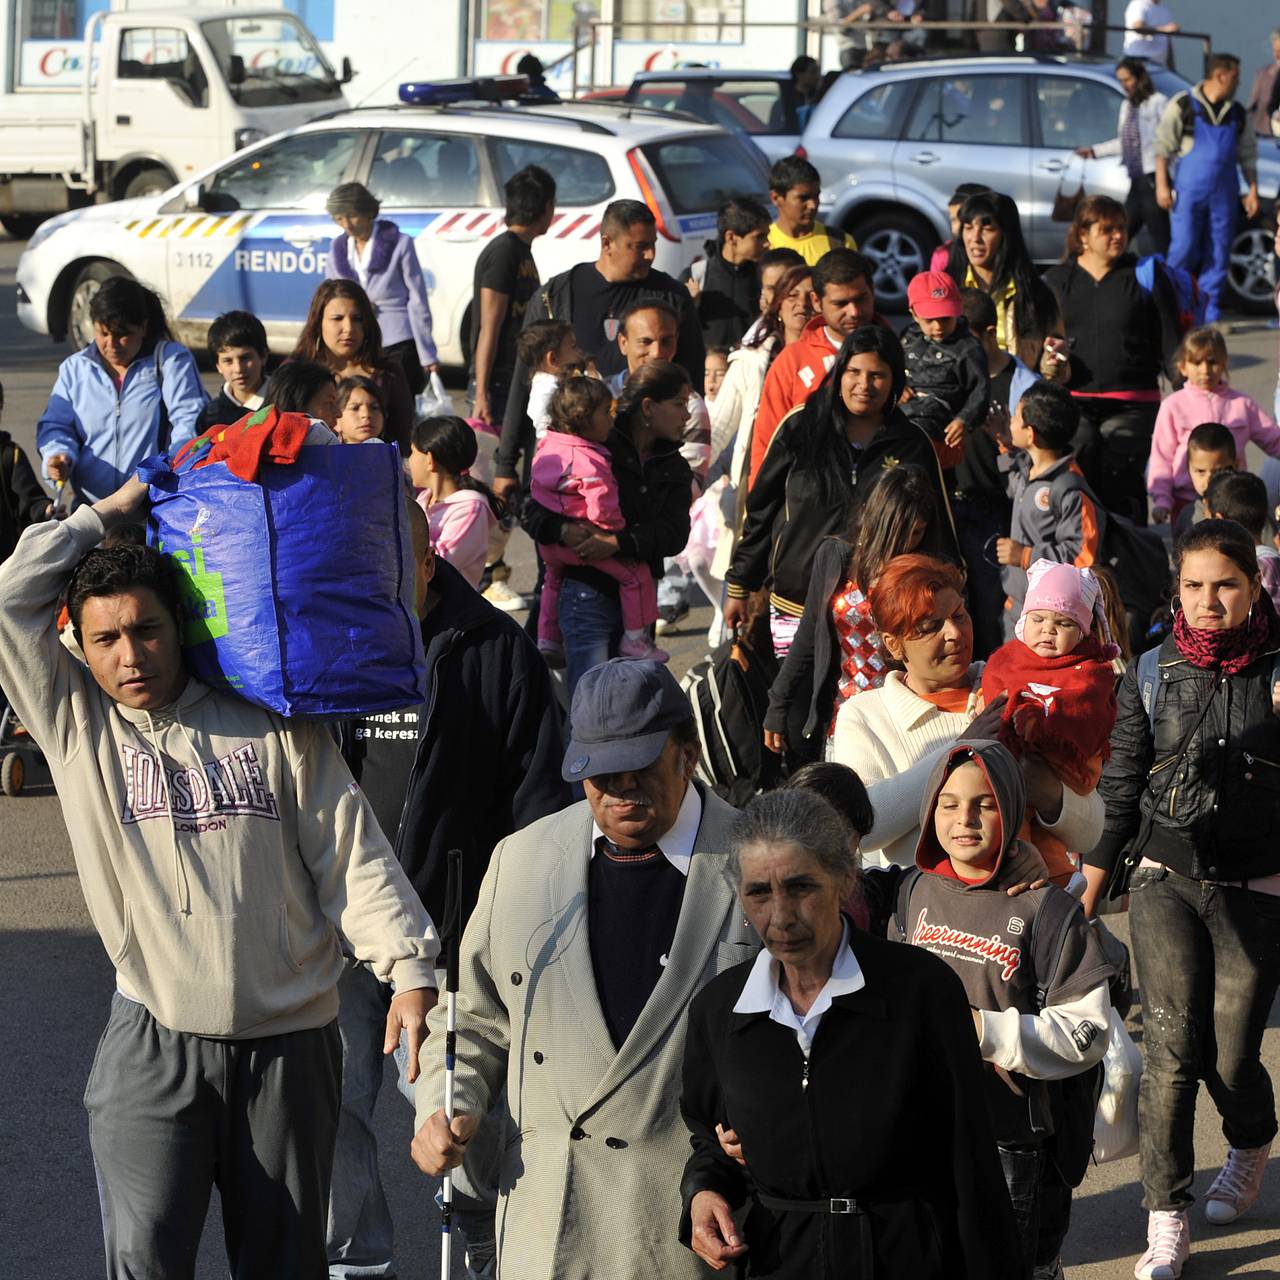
(592, 298)
(475, 762)
(725, 284)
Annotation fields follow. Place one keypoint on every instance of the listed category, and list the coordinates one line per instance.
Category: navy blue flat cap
(622, 715)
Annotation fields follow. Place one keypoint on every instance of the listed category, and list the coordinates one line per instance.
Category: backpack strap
(1149, 683)
(903, 902)
(1049, 926)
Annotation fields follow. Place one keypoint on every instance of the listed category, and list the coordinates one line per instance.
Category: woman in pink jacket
(1205, 397)
(572, 476)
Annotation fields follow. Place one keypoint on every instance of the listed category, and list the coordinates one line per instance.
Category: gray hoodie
(222, 850)
(992, 943)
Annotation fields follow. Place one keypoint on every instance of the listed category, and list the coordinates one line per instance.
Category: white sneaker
(505, 597)
(1237, 1185)
(1168, 1246)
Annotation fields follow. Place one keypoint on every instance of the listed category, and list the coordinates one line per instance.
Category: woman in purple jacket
(381, 258)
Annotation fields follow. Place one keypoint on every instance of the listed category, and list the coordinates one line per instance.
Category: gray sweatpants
(172, 1114)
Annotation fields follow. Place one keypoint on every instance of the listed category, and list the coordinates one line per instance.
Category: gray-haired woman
(382, 259)
(786, 1049)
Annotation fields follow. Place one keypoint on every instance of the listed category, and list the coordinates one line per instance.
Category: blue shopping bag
(298, 589)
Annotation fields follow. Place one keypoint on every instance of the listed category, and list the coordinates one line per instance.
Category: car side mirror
(235, 70)
(347, 73)
(194, 196)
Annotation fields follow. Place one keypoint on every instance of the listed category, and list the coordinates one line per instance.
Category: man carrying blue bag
(222, 850)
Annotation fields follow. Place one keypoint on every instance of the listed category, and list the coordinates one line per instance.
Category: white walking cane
(450, 940)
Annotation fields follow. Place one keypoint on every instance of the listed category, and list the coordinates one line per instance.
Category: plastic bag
(299, 589)
(434, 400)
(1115, 1124)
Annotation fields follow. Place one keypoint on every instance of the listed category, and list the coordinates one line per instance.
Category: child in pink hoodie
(1205, 397)
(572, 476)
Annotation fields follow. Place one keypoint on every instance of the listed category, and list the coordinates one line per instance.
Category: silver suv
(893, 143)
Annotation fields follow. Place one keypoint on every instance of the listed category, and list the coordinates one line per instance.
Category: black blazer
(894, 1116)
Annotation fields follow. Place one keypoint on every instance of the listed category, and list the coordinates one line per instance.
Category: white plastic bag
(1115, 1125)
(433, 400)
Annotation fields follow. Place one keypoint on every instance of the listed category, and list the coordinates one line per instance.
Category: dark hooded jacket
(23, 500)
(490, 743)
(728, 300)
(990, 940)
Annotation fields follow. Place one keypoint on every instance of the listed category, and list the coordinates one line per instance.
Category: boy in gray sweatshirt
(222, 851)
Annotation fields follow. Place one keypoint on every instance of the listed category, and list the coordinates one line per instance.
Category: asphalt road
(55, 984)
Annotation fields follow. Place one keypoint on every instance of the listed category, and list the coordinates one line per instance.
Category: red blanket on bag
(267, 435)
(1062, 708)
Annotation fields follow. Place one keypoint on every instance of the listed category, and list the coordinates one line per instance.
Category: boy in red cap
(946, 367)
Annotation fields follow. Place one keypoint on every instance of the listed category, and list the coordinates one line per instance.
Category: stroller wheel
(13, 773)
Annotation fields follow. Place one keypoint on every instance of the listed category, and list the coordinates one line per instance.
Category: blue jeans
(1023, 1167)
(360, 1231)
(591, 624)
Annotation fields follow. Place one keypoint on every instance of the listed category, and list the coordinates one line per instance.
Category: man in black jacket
(592, 298)
(478, 760)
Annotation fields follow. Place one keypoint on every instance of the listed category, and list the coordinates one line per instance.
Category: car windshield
(700, 173)
(270, 61)
(747, 106)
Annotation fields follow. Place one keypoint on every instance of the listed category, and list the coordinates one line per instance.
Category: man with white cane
(595, 928)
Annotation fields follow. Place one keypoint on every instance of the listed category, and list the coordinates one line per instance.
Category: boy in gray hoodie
(222, 851)
(1033, 969)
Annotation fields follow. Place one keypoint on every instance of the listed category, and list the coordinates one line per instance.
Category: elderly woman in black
(820, 465)
(1192, 791)
(786, 1050)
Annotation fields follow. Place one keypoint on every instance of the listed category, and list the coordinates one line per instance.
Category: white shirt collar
(251, 405)
(677, 844)
(761, 993)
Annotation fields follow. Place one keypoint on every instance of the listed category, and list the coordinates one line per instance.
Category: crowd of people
(670, 1011)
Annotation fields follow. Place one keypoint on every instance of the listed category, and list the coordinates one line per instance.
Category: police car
(252, 232)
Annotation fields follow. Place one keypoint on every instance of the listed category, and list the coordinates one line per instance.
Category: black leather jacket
(1214, 809)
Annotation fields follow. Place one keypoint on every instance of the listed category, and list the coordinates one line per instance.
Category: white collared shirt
(250, 405)
(761, 993)
(360, 260)
(677, 844)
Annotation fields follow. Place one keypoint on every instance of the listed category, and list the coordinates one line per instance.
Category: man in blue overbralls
(1207, 132)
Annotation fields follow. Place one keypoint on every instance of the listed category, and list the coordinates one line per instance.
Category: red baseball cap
(933, 295)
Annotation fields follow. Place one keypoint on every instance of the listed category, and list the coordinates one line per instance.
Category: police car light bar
(440, 93)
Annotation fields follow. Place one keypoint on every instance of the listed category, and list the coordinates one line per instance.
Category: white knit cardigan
(892, 738)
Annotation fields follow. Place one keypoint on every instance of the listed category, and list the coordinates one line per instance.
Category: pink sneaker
(1237, 1185)
(1168, 1246)
(642, 649)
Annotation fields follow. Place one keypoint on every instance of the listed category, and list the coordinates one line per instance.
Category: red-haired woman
(342, 333)
(892, 736)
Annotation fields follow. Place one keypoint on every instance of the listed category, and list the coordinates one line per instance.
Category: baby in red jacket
(1057, 672)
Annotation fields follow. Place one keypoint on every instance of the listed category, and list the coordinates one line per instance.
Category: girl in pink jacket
(572, 476)
(1205, 397)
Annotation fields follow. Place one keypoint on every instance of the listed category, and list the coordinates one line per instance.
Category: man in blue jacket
(478, 760)
(132, 392)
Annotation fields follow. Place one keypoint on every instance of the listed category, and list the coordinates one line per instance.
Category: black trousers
(172, 1114)
(1112, 446)
(979, 521)
(1143, 210)
(405, 354)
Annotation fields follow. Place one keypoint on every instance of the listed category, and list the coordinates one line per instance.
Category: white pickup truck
(149, 97)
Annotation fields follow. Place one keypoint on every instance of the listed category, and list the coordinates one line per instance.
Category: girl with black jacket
(1192, 792)
(821, 463)
(837, 651)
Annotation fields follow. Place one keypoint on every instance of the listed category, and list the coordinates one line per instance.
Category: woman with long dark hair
(342, 333)
(1123, 335)
(990, 254)
(1192, 794)
(821, 463)
(837, 652)
(1135, 144)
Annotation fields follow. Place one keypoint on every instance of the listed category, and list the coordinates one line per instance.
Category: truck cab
(161, 95)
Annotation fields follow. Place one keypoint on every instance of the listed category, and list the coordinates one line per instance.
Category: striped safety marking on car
(188, 226)
(464, 222)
